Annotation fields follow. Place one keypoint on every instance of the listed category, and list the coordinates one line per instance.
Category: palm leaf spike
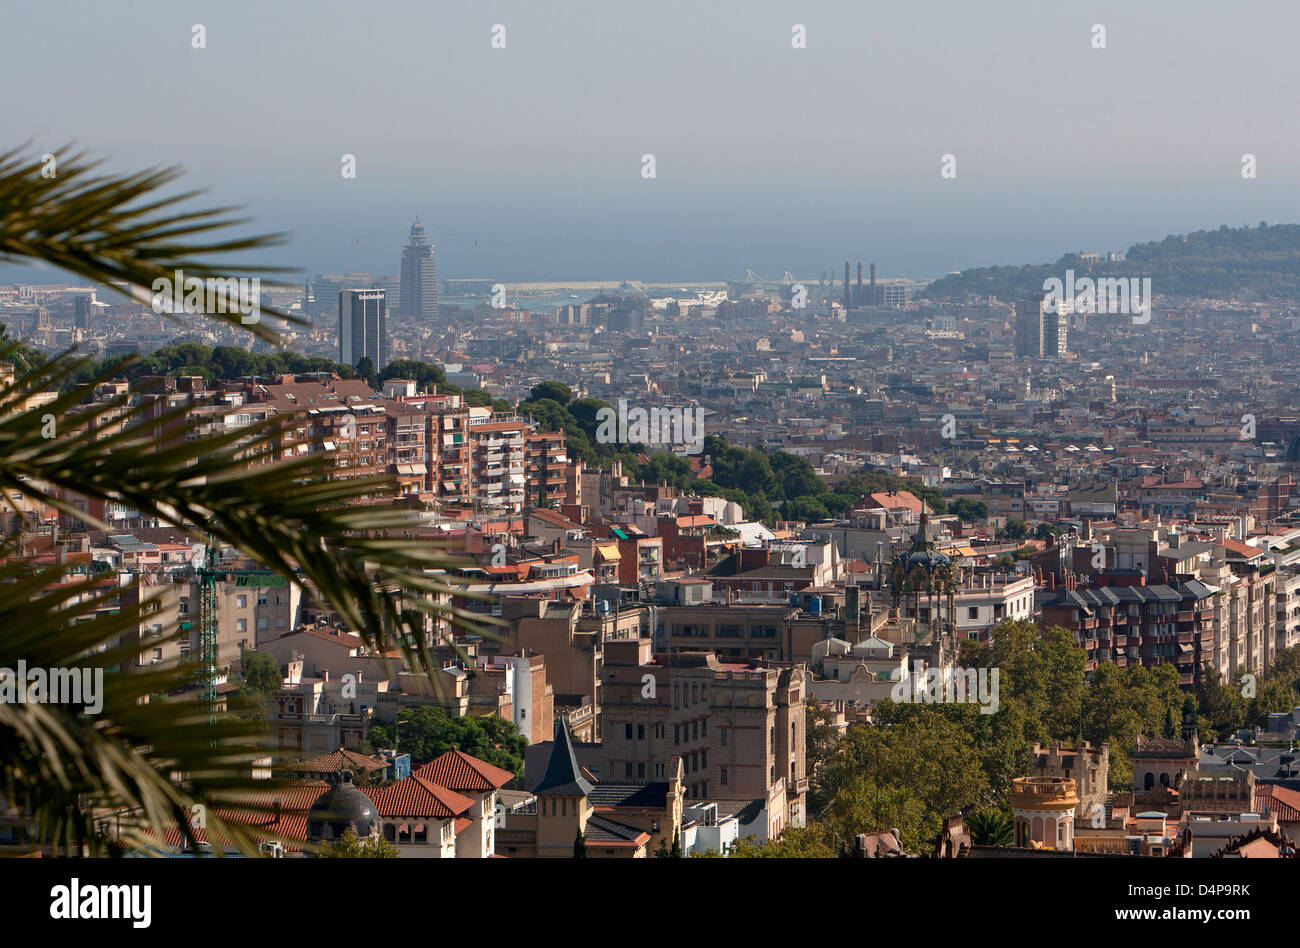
(150, 763)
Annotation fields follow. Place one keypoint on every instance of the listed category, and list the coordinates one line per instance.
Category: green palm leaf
(147, 763)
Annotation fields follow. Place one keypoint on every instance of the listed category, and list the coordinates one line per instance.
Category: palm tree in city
(991, 828)
(136, 764)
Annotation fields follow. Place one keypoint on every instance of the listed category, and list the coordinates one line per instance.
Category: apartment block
(738, 727)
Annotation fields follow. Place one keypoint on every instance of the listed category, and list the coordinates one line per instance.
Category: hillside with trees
(1228, 263)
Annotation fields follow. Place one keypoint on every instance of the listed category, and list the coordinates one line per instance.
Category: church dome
(339, 807)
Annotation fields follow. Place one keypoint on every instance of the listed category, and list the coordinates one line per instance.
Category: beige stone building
(738, 727)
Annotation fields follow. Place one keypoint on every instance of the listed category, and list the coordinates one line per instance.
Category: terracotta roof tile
(417, 797)
(459, 771)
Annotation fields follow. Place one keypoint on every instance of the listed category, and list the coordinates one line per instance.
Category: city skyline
(650, 431)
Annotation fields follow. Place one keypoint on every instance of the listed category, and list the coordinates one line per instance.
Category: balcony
(1042, 793)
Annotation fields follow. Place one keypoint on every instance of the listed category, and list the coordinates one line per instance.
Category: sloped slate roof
(563, 775)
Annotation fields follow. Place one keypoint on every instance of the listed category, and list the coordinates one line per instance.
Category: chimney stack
(873, 301)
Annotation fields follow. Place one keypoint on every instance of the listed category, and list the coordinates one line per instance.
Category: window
(724, 776)
(677, 734)
(724, 737)
(241, 625)
(640, 732)
(974, 612)
(704, 727)
(627, 731)
(640, 771)
(695, 730)
(241, 602)
(628, 770)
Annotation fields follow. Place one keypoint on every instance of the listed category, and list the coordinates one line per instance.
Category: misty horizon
(524, 163)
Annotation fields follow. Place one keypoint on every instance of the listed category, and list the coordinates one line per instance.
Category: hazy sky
(524, 163)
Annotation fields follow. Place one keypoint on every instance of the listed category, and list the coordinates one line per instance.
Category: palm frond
(115, 228)
(145, 762)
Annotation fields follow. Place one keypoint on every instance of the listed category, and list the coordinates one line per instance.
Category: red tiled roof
(1281, 801)
(346, 639)
(553, 518)
(900, 500)
(1242, 549)
(417, 797)
(295, 802)
(459, 771)
(340, 759)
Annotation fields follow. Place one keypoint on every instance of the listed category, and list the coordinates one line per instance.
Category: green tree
(366, 370)
(21, 357)
(991, 828)
(261, 672)
(348, 846)
(969, 510)
(557, 392)
(923, 765)
(428, 731)
(819, 736)
(425, 374)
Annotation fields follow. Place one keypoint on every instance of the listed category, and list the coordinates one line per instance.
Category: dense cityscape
(699, 644)
(446, 438)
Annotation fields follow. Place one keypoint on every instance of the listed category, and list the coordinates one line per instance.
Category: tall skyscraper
(82, 306)
(1042, 328)
(419, 293)
(363, 327)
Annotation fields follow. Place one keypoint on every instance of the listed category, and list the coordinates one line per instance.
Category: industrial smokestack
(848, 303)
(873, 299)
(857, 297)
